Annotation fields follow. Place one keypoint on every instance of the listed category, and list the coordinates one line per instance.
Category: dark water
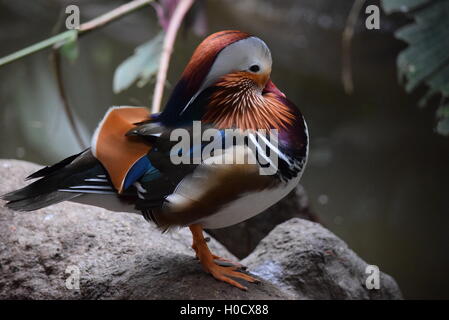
(377, 175)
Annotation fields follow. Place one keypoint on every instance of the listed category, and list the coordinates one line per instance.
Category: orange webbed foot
(211, 263)
(228, 263)
(225, 273)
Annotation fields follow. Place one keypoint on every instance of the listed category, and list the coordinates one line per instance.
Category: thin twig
(62, 37)
(57, 71)
(348, 33)
(56, 59)
(113, 15)
(91, 25)
(85, 28)
(175, 22)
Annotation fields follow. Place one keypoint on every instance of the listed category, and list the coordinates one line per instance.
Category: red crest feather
(204, 56)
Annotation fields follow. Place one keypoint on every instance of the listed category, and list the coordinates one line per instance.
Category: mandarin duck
(134, 165)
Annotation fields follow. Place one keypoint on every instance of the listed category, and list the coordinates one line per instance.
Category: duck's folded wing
(122, 156)
(215, 183)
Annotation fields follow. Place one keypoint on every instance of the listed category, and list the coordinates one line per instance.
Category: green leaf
(426, 59)
(443, 127)
(428, 53)
(401, 5)
(141, 66)
(443, 120)
(70, 47)
(443, 111)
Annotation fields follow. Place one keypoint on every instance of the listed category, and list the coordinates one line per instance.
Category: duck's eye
(254, 68)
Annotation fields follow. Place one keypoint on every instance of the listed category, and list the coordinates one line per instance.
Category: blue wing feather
(142, 167)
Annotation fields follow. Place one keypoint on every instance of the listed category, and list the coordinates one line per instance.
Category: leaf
(390, 6)
(443, 111)
(426, 59)
(70, 48)
(443, 123)
(428, 51)
(141, 66)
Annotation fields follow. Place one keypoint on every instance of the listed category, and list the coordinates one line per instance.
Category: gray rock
(121, 256)
(310, 262)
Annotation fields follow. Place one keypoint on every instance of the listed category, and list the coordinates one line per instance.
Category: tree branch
(85, 28)
(56, 59)
(348, 33)
(60, 38)
(113, 15)
(175, 22)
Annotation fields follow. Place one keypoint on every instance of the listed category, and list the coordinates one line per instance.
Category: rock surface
(310, 262)
(121, 256)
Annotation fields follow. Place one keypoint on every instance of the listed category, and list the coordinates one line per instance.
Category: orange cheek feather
(259, 78)
(239, 104)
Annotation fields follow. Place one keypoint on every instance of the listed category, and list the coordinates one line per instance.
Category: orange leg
(218, 258)
(207, 260)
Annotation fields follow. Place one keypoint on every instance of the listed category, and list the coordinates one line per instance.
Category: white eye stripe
(239, 55)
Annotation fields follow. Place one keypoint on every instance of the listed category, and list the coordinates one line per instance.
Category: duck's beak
(271, 88)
